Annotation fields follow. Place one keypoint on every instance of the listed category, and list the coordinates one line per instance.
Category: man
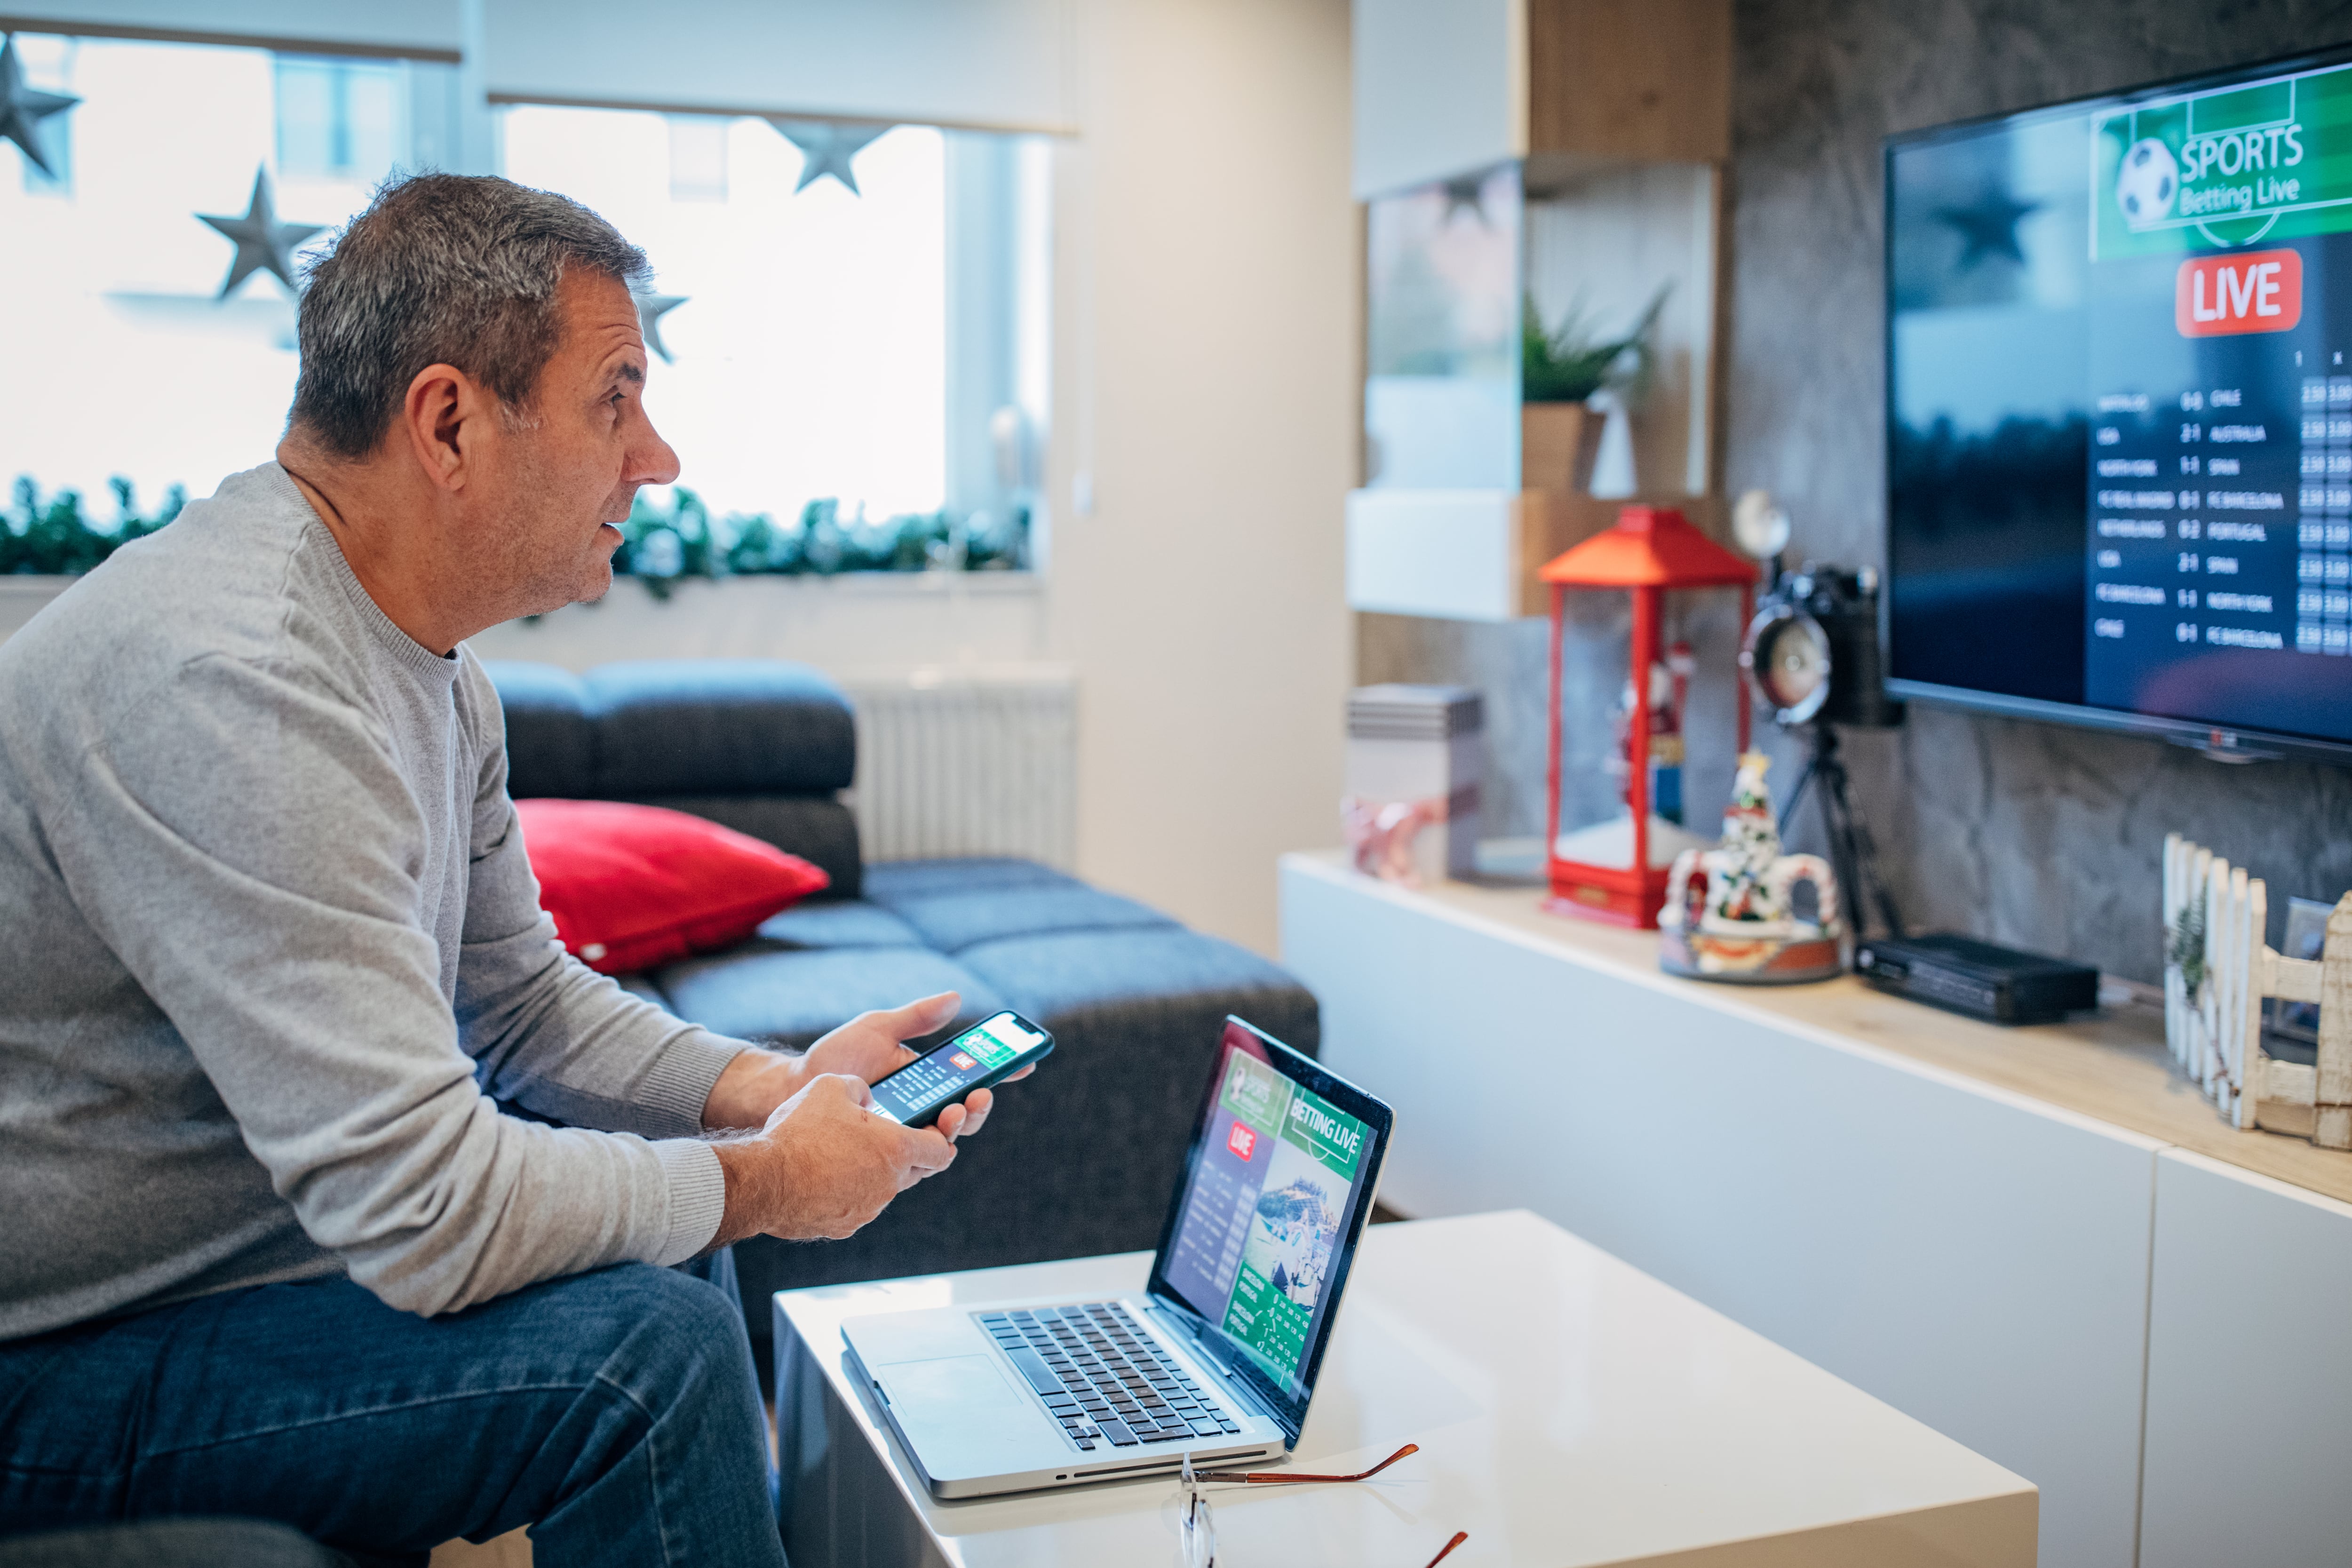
(272, 1248)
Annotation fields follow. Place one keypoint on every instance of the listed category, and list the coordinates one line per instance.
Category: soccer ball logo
(2147, 183)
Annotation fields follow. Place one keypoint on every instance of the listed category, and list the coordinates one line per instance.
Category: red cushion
(633, 885)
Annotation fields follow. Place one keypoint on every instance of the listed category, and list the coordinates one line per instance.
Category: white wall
(1207, 381)
(988, 63)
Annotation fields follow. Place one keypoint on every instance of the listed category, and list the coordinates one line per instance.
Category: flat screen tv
(2119, 411)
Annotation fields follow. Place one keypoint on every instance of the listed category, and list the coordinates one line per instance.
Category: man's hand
(824, 1165)
(868, 1047)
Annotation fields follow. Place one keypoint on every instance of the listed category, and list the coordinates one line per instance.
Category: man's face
(571, 465)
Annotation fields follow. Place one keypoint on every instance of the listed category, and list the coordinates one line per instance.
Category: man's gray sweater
(273, 945)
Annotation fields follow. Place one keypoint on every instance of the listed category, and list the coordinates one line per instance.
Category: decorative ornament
(22, 107)
(1730, 911)
(1381, 836)
(827, 148)
(651, 307)
(1616, 869)
(263, 244)
(1465, 193)
(1669, 693)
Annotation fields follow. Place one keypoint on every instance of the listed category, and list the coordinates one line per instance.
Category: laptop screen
(1275, 1195)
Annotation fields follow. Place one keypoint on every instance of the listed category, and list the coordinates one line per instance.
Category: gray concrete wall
(2041, 836)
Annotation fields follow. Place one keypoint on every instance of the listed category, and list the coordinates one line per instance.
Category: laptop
(1216, 1358)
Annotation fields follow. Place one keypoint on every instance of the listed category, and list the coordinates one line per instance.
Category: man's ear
(444, 415)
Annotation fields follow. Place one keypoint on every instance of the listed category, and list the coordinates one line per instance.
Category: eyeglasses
(1198, 1524)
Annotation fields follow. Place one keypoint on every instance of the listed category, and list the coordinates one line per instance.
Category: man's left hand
(869, 1047)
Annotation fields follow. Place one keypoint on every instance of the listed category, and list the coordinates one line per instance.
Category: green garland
(663, 546)
(659, 546)
(54, 537)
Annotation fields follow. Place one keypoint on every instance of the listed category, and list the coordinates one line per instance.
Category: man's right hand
(824, 1165)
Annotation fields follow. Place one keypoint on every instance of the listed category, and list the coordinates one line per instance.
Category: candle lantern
(1616, 870)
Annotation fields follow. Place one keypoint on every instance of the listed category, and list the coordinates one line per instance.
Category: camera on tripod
(1813, 653)
(1812, 649)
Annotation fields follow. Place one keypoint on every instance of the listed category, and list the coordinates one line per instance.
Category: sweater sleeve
(246, 842)
(551, 1034)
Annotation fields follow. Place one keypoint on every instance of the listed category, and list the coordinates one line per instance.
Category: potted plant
(1561, 368)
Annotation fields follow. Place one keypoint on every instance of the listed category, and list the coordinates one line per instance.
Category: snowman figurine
(1730, 911)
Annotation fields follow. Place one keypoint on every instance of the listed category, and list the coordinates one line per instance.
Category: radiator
(955, 763)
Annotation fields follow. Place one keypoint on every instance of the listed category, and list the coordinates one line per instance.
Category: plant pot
(1558, 444)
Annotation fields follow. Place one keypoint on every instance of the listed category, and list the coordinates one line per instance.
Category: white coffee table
(1569, 1409)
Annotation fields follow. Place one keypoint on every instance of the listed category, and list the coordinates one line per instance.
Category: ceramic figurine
(1670, 681)
(1730, 911)
(1382, 834)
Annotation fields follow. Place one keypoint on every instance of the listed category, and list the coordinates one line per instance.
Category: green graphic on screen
(998, 1041)
(2260, 160)
(1302, 1206)
(955, 1067)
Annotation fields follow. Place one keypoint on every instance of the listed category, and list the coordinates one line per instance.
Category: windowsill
(48, 585)
(865, 584)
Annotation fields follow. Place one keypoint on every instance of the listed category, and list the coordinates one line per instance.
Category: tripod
(1852, 855)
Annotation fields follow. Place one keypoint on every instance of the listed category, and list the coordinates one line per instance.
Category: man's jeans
(615, 1413)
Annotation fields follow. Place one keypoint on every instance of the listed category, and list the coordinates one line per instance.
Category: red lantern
(1649, 551)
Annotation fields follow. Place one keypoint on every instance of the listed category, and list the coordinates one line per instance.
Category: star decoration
(650, 309)
(1465, 193)
(1989, 227)
(826, 148)
(263, 244)
(23, 108)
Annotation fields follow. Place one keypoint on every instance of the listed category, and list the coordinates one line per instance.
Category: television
(2119, 411)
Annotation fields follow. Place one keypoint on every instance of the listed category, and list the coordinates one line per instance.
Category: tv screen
(2119, 414)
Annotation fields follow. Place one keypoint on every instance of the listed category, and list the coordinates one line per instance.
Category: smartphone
(984, 1054)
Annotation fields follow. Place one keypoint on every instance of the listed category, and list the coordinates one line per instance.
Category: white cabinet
(1973, 1261)
(2248, 1372)
(1979, 1258)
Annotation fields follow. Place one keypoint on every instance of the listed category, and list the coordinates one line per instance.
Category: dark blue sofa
(1080, 1159)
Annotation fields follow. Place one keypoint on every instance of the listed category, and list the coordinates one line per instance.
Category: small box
(1418, 744)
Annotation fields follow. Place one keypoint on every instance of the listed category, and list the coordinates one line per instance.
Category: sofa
(1080, 1158)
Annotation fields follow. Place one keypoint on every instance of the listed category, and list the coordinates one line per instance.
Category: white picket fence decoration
(2216, 1029)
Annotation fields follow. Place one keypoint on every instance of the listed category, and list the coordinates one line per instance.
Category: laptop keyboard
(1104, 1379)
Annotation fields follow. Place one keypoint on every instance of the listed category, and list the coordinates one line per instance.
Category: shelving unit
(1579, 147)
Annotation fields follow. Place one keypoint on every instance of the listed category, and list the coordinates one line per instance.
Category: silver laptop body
(1039, 1393)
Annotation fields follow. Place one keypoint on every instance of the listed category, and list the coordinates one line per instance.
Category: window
(876, 352)
(340, 120)
(128, 358)
(876, 341)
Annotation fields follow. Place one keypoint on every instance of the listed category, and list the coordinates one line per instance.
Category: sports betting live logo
(1241, 1140)
(2217, 295)
(963, 1063)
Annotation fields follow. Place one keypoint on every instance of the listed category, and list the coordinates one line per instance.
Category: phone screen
(982, 1054)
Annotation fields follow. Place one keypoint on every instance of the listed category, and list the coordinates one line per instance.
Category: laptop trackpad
(954, 1389)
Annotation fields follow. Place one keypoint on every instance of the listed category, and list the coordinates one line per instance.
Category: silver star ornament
(263, 244)
(22, 107)
(651, 307)
(827, 148)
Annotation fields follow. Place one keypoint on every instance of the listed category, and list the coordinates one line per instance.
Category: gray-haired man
(272, 1248)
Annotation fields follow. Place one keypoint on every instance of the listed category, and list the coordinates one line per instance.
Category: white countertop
(1570, 1410)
